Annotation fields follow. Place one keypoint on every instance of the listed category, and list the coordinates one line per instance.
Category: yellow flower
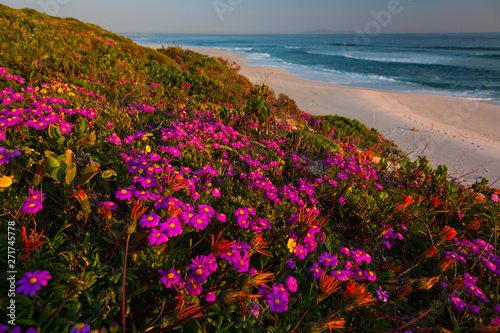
(5, 181)
(292, 245)
(148, 149)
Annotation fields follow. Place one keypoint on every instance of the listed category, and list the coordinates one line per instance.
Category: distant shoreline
(460, 133)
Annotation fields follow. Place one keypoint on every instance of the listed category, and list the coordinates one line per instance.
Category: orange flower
(445, 263)
(259, 244)
(333, 324)
(402, 292)
(405, 202)
(431, 252)
(356, 295)
(447, 233)
(106, 214)
(427, 283)
(220, 247)
(327, 285)
(30, 244)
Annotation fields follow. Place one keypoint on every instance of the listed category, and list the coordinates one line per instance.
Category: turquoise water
(458, 65)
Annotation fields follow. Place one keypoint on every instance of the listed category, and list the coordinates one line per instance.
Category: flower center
(79, 327)
(31, 205)
(276, 301)
(170, 276)
(172, 225)
(199, 271)
(33, 280)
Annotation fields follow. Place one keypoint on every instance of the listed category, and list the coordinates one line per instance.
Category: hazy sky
(276, 16)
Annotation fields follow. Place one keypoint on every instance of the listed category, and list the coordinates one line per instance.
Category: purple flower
(381, 294)
(469, 278)
(254, 308)
(291, 263)
(277, 301)
(30, 283)
(80, 328)
(474, 309)
(316, 270)
(210, 297)
(340, 275)
(216, 192)
(193, 289)
(291, 284)
(328, 260)
(170, 278)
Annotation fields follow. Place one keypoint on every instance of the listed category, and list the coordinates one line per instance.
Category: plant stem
(123, 283)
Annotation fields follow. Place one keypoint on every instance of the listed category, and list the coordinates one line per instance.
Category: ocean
(457, 65)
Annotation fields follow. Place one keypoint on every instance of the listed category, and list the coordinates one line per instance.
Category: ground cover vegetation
(148, 191)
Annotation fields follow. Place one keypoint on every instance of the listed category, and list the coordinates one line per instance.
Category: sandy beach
(460, 133)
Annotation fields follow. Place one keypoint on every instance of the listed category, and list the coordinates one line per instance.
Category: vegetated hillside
(148, 190)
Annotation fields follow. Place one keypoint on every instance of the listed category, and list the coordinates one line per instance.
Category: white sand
(463, 134)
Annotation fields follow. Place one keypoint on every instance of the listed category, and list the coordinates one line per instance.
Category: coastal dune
(463, 134)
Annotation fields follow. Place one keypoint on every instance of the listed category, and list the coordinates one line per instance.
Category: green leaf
(51, 164)
(58, 175)
(70, 175)
(108, 174)
(89, 172)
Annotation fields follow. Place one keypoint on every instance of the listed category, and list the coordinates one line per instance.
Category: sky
(276, 16)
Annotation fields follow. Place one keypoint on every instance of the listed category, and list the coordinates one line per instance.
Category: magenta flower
(193, 289)
(210, 297)
(381, 294)
(494, 197)
(110, 204)
(216, 193)
(123, 194)
(149, 221)
(31, 282)
(80, 328)
(31, 206)
(458, 304)
(242, 264)
(301, 252)
(156, 237)
(242, 222)
(199, 222)
(172, 227)
(340, 275)
(241, 213)
(291, 284)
